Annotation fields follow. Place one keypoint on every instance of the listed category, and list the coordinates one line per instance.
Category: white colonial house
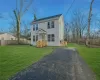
(50, 28)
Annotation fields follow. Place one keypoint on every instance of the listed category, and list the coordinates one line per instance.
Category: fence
(91, 42)
(13, 42)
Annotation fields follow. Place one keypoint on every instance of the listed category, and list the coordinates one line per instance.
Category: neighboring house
(50, 29)
(6, 36)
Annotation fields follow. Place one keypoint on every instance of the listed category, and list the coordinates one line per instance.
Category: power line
(69, 8)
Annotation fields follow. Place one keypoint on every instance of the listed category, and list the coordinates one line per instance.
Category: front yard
(15, 58)
(91, 56)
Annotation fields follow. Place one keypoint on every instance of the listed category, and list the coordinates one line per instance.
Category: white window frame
(51, 38)
(50, 26)
(35, 27)
(33, 38)
(36, 37)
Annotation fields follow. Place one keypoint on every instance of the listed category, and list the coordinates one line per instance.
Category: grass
(91, 56)
(15, 58)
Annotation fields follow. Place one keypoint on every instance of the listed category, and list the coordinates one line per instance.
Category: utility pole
(89, 23)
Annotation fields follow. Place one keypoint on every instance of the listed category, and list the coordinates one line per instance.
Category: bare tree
(72, 26)
(78, 25)
(13, 27)
(98, 27)
(1, 30)
(21, 7)
(26, 30)
(89, 23)
(1, 16)
(67, 32)
(98, 24)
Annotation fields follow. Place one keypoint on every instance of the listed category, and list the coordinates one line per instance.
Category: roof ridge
(58, 15)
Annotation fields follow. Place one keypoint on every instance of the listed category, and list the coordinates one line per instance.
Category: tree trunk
(18, 33)
(89, 23)
(18, 26)
(18, 29)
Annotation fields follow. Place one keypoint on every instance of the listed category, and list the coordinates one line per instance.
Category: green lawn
(15, 58)
(91, 56)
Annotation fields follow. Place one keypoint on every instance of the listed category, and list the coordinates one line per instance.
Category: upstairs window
(52, 24)
(36, 27)
(33, 27)
(48, 25)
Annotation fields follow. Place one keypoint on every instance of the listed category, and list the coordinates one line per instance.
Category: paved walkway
(62, 64)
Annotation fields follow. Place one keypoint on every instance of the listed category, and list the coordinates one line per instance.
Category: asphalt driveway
(62, 64)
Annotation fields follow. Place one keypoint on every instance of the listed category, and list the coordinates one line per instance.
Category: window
(48, 25)
(51, 37)
(52, 24)
(36, 37)
(33, 38)
(36, 26)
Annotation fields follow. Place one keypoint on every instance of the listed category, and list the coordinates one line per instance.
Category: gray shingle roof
(48, 17)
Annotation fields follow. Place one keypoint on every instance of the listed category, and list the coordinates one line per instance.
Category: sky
(45, 8)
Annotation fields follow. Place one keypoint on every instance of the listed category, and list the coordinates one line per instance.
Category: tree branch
(27, 7)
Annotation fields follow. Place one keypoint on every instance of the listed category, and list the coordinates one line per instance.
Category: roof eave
(48, 18)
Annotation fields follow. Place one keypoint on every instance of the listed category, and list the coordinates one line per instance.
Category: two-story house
(50, 29)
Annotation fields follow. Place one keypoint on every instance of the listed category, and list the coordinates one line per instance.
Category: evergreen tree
(35, 18)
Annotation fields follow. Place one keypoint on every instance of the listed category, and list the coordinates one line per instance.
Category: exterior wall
(56, 31)
(61, 28)
(6, 36)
